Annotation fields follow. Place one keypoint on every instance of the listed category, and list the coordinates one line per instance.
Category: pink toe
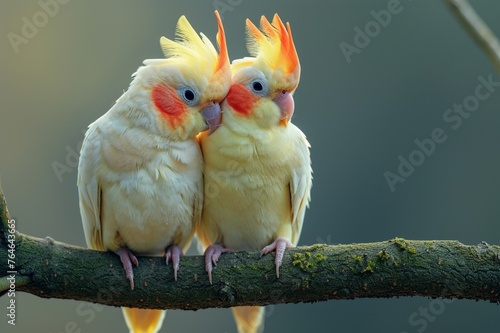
(127, 258)
(174, 254)
(212, 255)
(279, 245)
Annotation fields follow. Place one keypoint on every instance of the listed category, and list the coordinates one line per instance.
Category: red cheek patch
(240, 99)
(168, 103)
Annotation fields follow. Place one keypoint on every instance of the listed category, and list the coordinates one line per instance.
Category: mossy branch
(393, 268)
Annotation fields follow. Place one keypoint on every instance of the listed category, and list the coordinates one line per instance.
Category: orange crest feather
(223, 59)
(274, 44)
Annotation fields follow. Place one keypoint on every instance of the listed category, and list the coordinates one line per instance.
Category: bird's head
(263, 84)
(185, 89)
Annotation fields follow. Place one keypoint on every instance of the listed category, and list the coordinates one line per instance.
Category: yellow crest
(273, 44)
(197, 50)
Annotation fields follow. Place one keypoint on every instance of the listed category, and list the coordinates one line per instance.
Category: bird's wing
(300, 186)
(197, 209)
(90, 190)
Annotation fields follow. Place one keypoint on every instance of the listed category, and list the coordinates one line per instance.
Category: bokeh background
(359, 117)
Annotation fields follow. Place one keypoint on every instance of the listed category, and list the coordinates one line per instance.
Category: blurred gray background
(359, 117)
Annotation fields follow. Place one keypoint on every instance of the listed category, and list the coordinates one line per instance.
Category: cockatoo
(140, 175)
(258, 173)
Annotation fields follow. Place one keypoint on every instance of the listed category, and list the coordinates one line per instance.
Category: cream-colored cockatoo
(140, 175)
(258, 172)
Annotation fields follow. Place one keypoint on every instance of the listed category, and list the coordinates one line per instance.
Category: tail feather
(249, 319)
(143, 320)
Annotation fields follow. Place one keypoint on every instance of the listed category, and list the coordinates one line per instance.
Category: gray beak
(212, 117)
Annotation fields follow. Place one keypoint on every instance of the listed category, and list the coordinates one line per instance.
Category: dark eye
(189, 95)
(258, 87)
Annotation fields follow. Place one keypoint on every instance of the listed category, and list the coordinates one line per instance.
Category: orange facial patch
(241, 99)
(168, 103)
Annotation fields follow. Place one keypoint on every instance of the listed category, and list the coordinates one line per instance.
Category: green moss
(358, 259)
(242, 269)
(429, 244)
(318, 257)
(317, 246)
(383, 255)
(307, 262)
(370, 267)
(404, 245)
(303, 265)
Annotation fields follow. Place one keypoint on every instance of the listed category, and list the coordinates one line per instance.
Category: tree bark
(393, 268)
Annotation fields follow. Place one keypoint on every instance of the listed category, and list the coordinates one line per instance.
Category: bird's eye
(188, 95)
(258, 87)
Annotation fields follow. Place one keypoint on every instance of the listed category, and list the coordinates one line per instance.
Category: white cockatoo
(140, 175)
(258, 172)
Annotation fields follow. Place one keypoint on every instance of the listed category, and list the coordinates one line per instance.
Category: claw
(174, 254)
(128, 258)
(279, 245)
(212, 254)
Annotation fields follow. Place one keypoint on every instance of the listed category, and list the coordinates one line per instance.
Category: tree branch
(393, 268)
(478, 30)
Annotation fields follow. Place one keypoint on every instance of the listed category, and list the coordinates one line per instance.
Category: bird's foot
(174, 254)
(128, 258)
(279, 245)
(212, 254)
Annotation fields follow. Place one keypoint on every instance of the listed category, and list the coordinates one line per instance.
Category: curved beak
(212, 116)
(286, 104)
